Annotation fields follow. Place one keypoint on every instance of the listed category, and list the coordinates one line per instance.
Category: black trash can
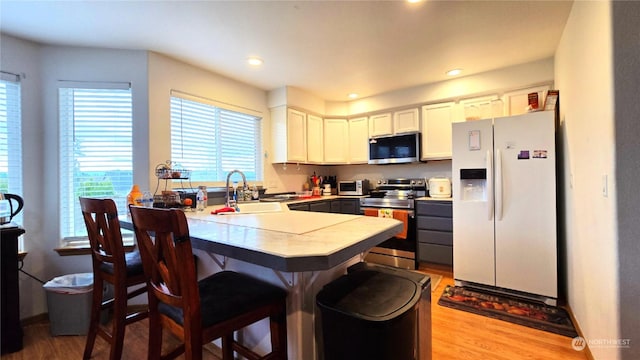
(424, 307)
(370, 315)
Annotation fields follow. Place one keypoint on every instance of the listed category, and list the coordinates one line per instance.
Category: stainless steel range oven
(395, 196)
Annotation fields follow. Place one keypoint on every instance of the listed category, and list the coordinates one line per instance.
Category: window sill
(82, 247)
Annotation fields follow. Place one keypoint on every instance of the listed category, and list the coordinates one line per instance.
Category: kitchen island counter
(290, 241)
(298, 250)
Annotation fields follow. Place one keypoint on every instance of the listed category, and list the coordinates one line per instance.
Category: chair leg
(227, 347)
(94, 324)
(119, 321)
(278, 329)
(155, 337)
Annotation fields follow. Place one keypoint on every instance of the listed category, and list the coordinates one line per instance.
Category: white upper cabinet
(358, 140)
(399, 122)
(315, 139)
(485, 107)
(336, 141)
(289, 135)
(406, 121)
(516, 102)
(380, 125)
(436, 131)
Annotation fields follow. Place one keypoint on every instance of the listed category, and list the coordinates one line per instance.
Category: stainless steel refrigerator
(504, 204)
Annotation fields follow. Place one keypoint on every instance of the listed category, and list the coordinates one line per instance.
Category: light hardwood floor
(457, 335)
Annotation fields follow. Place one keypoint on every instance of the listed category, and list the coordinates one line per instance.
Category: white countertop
(287, 240)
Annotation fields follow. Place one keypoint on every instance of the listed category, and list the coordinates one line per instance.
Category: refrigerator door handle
(489, 185)
(498, 189)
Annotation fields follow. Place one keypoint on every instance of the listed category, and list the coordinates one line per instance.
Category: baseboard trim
(586, 350)
(44, 317)
(36, 319)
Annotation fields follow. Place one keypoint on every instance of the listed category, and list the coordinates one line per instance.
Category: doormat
(518, 311)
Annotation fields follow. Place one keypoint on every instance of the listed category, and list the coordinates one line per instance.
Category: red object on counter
(222, 210)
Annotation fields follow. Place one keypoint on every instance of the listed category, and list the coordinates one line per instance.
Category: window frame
(72, 228)
(11, 111)
(220, 113)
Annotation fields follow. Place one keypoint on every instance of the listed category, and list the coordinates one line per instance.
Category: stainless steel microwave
(395, 149)
(353, 187)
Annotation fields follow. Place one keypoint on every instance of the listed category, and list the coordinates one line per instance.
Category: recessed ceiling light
(454, 72)
(413, 1)
(353, 96)
(255, 61)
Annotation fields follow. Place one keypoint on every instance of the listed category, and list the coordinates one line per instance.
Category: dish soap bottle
(134, 197)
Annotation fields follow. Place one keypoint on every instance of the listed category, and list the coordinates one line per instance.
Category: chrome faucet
(244, 184)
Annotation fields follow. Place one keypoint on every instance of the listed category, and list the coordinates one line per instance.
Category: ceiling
(328, 48)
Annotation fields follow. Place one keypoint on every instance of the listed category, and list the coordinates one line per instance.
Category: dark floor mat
(511, 309)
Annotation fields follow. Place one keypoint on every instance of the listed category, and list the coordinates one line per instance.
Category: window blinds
(96, 145)
(211, 140)
(10, 135)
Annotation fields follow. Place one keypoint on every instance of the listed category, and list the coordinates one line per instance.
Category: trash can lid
(370, 295)
(420, 278)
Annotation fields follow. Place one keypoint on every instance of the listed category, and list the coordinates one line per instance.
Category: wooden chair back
(165, 247)
(105, 237)
(111, 265)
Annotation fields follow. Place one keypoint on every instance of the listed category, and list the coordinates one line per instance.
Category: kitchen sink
(280, 198)
(257, 208)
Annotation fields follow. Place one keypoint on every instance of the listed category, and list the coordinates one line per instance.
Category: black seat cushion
(134, 264)
(227, 294)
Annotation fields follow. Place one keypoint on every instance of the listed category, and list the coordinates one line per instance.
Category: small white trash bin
(69, 304)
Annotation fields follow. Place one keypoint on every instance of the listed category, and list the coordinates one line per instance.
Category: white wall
(23, 57)
(584, 75)
(166, 74)
(43, 67)
(487, 83)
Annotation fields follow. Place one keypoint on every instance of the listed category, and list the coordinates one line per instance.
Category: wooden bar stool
(111, 264)
(198, 312)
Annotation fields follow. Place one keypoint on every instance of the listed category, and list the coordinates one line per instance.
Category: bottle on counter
(255, 194)
(134, 197)
(147, 199)
(201, 198)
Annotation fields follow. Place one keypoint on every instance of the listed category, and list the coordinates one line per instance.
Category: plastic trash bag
(71, 284)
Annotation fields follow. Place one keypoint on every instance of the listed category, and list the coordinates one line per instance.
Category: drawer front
(350, 207)
(336, 206)
(435, 237)
(435, 223)
(299, 207)
(438, 254)
(321, 206)
(434, 208)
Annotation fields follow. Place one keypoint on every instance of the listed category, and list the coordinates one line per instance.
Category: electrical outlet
(605, 186)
